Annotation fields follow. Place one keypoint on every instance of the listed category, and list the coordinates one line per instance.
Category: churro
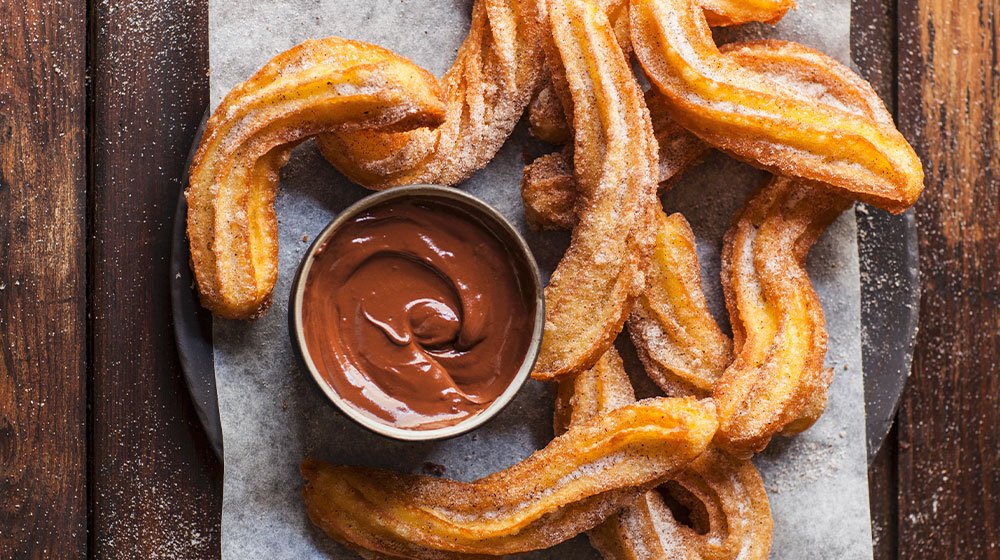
(615, 161)
(766, 121)
(594, 469)
(318, 86)
(495, 74)
(730, 518)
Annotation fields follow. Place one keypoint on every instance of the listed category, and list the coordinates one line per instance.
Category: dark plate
(890, 298)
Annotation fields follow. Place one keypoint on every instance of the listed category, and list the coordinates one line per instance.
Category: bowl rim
(514, 242)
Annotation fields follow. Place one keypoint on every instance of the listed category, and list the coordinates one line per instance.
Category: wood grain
(949, 423)
(155, 487)
(42, 280)
(883, 487)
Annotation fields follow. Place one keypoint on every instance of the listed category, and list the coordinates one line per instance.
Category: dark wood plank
(155, 489)
(873, 45)
(949, 431)
(43, 439)
(873, 48)
(883, 496)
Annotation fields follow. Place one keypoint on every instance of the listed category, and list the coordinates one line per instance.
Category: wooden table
(100, 452)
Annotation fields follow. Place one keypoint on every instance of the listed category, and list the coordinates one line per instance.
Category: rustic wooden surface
(43, 390)
(949, 421)
(89, 174)
(155, 488)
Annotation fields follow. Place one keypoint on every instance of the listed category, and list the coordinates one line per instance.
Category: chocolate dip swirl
(416, 314)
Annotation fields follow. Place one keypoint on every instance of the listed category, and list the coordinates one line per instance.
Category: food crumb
(434, 469)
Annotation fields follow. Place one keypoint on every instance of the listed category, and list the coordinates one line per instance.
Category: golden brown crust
(729, 507)
(546, 115)
(778, 325)
(546, 118)
(722, 13)
(730, 514)
(497, 70)
(548, 110)
(763, 119)
(318, 86)
(568, 487)
(549, 193)
(615, 158)
(669, 352)
(677, 339)
(805, 70)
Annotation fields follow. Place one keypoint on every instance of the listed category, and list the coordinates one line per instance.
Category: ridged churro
(495, 74)
(779, 334)
(316, 87)
(547, 118)
(765, 121)
(594, 469)
(680, 345)
(615, 161)
(806, 71)
(730, 518)
(797, 67)
(548, 189)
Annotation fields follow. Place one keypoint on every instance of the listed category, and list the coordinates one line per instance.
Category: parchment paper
(273, 416)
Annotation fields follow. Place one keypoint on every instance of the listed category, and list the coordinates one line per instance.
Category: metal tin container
(507, 234)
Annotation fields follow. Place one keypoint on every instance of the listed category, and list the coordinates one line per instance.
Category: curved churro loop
(730, 514)
(572, 484)
(778, 326)
(615, 159)
(677, 339)
(497, 70)
(766, 121)
(796, 66)
(315, 87)
(546, 116)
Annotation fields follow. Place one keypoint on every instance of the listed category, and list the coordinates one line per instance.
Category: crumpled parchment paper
(273, 416)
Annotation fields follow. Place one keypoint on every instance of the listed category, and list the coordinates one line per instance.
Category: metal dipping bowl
(525, 265)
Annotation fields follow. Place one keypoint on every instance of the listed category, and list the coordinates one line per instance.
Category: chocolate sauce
(417, 314)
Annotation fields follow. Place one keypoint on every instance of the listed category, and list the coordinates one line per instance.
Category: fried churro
(730, 517)
(547, 119)
(615, 161)
(766, 121)
(548, 189)
(316, 87)
(779, 330)
(594, 469)
(798, 67)
(677, 339)
(495, 74)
